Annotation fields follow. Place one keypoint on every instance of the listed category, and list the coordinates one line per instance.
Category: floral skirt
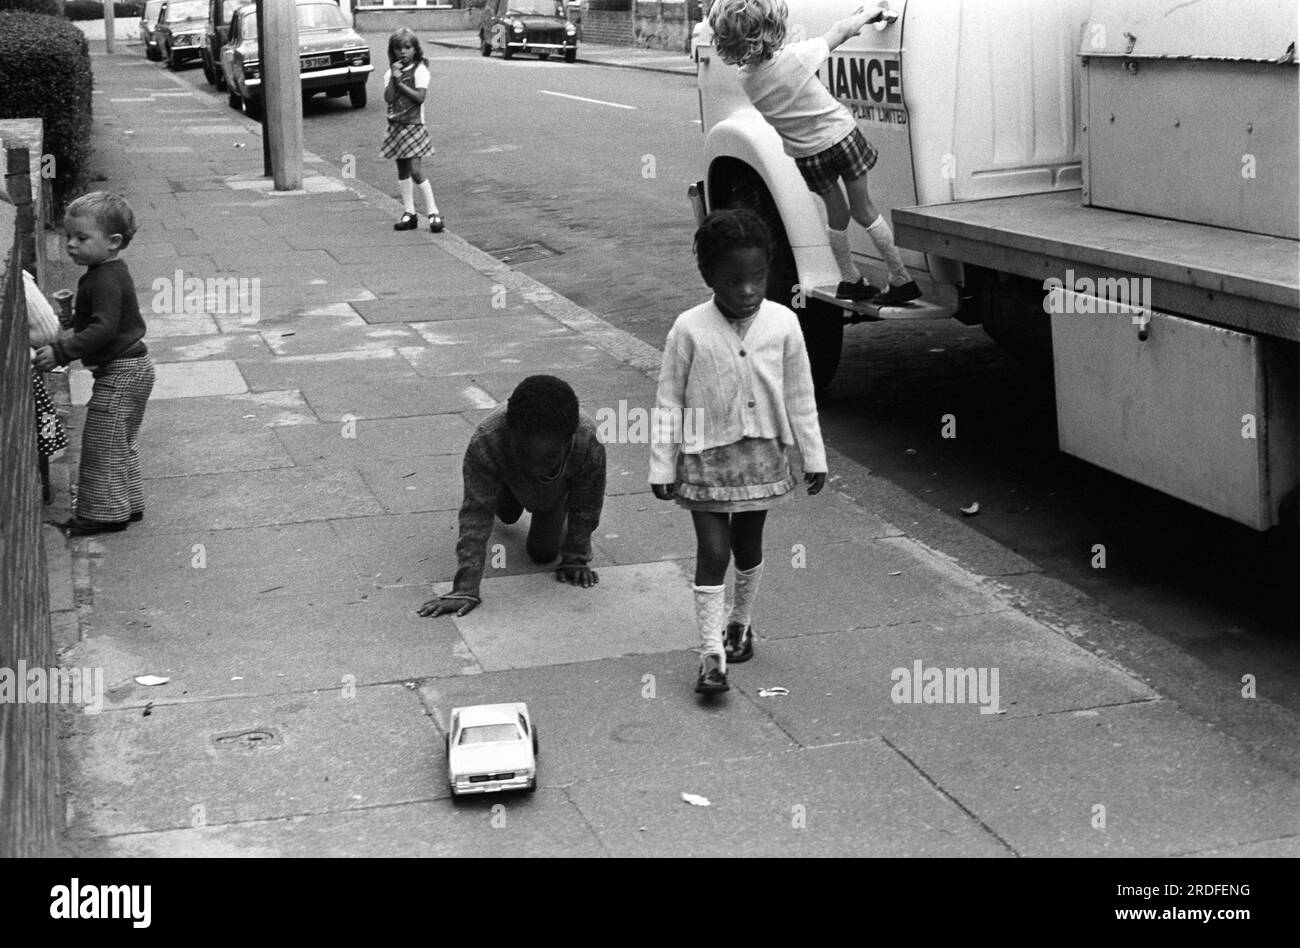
(406, 141)
(751, 474)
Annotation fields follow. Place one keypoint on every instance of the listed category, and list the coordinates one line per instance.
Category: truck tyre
(1011, 312)
(822, 323)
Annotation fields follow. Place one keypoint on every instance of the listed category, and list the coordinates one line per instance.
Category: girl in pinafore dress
(735, 391)
(405, 86)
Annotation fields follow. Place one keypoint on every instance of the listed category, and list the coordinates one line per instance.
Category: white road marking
(564, 95)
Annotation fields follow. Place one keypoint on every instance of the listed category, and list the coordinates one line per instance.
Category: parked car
(148, 23)
(334, 59)
(491, 747)
(180, 31)
(527, 26)
(215, 33)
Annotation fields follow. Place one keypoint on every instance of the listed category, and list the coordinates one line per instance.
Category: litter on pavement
(151, 680)
(695, 800)
(773, 692)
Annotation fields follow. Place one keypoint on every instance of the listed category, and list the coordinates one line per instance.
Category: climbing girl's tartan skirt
(406, 141)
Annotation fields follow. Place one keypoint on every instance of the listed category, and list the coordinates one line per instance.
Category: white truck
(1108, 186)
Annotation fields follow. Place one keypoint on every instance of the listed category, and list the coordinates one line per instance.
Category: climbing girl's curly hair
(746, 31)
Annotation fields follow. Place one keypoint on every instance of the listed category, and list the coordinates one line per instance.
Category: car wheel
(220, 79)
(208, 74)
(174, 62)
(151, 52)
(484, 45)
(506, 51)
(570, 55)
(535, 748)
(532, 786)
(543, 56)
(253, 108)
(233, 98)
(822, 323)
(357, 94)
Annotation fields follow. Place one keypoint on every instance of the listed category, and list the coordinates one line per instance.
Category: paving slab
(294, 560)
(475, 297)
(397, 397)
(269, 644)
(377, 438)
(1170, 784)
(828, 586)
(496, 826)
(535, 343)
(535, 620)
(315, 339)
(850, 800)
(206, 436)
(627, 470)
(597, 389)
(415, 484)
(253, 499)
(647, 707)
(174, 380)
(842, 685)
(327, 753)
(338, 370)
(187, 348)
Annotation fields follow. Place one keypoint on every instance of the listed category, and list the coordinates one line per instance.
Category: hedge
(48, 7)
(45, 73)
(94, 9)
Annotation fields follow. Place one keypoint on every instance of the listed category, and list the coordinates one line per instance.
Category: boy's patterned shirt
(489, 467)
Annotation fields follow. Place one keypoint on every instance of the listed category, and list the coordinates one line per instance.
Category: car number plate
(315, 62)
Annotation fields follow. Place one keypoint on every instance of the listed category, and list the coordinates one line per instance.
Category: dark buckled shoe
(899, 294)
(739, 642)
(408, 222)
(436, 224)
(712, 679)
(859, 292)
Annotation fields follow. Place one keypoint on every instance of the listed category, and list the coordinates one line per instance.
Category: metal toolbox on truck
(1198, 411)
(1190, 112)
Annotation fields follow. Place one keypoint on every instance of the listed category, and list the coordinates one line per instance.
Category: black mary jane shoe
(408, 222)
(80, 527)
(858, 292)
(436, 224)
(739, 641)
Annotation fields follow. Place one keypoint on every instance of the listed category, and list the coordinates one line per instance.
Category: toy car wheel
(535, 748)
(485, 45)
(570, 55)
(357, 95)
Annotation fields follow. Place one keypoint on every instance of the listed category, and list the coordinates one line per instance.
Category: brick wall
(612, 27)
(27, 766)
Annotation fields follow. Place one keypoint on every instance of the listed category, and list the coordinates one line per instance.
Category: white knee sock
(709, 617)
(408, 194)
(426, 192)
(746, 589)
(840, 247)
(880, 234)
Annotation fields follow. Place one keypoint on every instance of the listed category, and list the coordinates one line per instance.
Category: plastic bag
(42, 324)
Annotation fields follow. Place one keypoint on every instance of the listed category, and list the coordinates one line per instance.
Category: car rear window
(320, 16)
(487, 733)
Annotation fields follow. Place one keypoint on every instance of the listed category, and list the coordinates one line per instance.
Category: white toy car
(491, 747)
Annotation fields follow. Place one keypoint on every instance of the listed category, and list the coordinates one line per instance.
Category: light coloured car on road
(148, 22)
(490, 748)
(180, 31)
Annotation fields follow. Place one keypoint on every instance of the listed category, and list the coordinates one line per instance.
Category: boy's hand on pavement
(583, 576)
(815, 482)
(664, 491)
(44, 359)
(447, 605)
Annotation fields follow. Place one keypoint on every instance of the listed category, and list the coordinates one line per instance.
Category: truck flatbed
(1234, 279)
